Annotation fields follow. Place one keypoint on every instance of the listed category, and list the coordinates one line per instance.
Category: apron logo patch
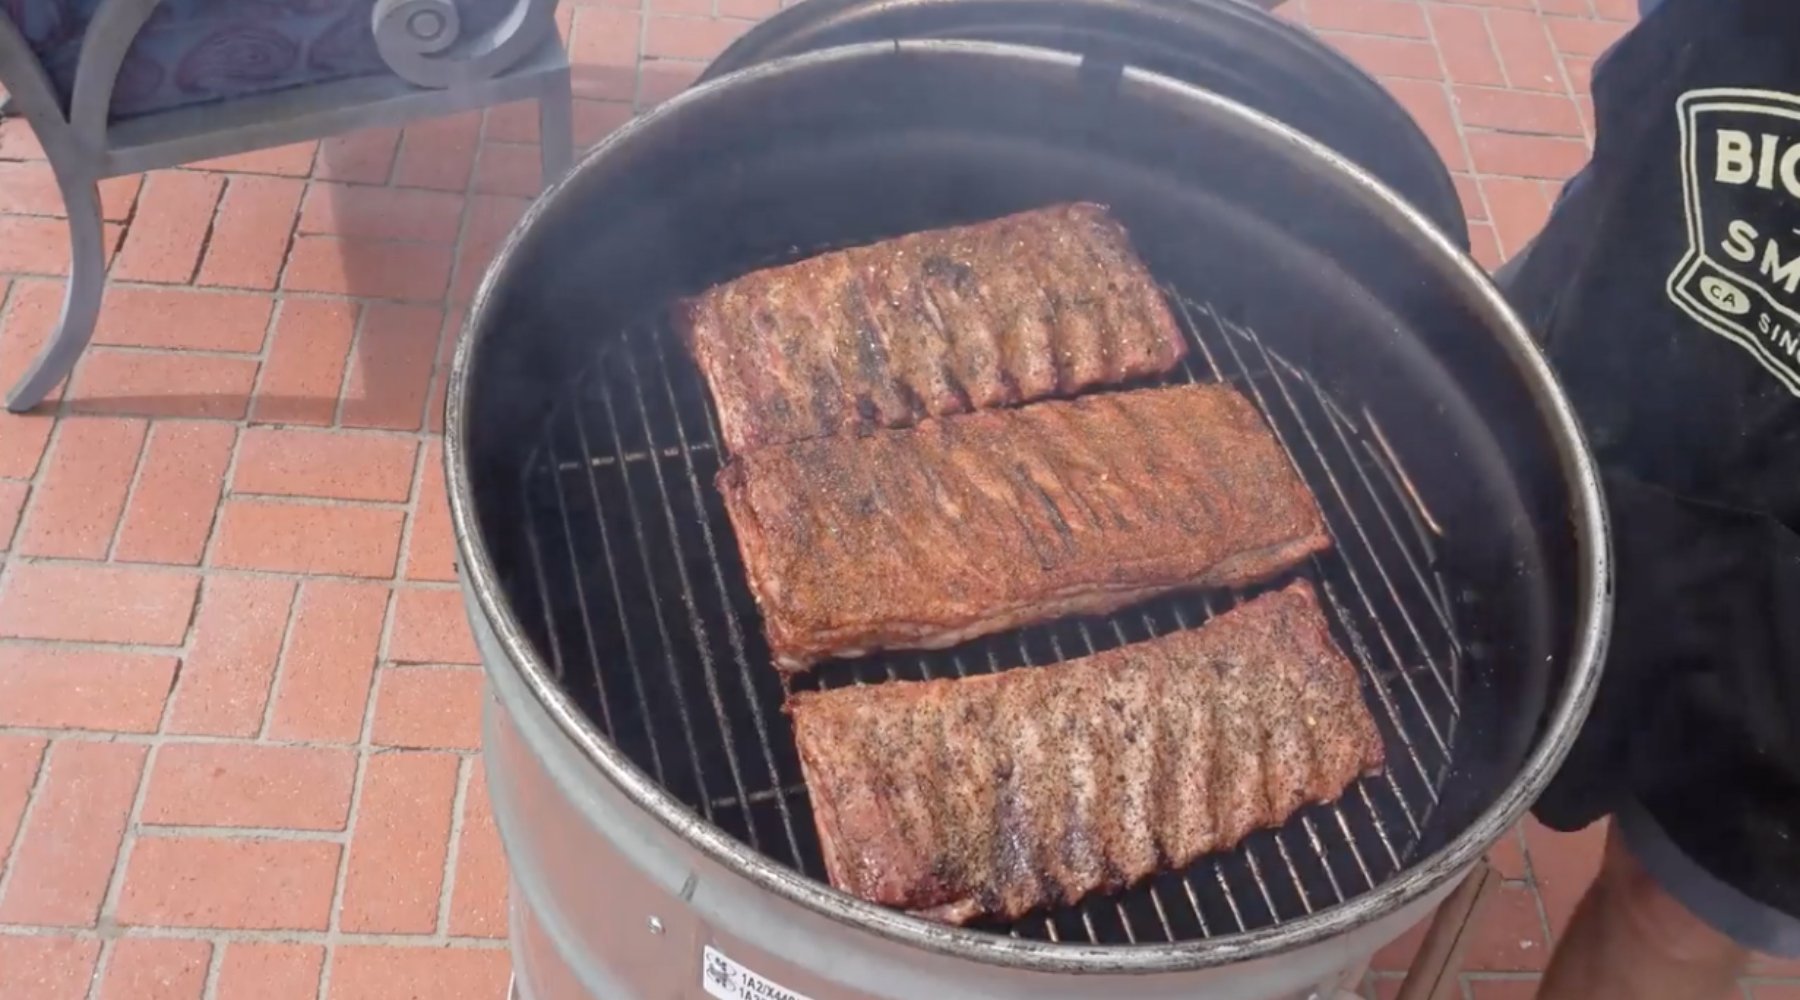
(1740, 173)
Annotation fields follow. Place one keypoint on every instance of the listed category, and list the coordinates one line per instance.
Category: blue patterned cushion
(192, 51)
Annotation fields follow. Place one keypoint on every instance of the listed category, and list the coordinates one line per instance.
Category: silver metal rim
(1593, 620)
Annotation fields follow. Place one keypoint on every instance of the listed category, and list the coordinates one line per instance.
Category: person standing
(1666, 290)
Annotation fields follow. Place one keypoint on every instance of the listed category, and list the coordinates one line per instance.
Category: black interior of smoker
(839, 149)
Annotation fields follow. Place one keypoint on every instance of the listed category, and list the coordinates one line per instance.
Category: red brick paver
(238, 707)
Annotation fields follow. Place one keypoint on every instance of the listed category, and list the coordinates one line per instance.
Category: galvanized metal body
(620, 888)
(606, 906)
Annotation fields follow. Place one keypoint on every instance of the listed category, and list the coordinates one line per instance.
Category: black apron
(1666, 288)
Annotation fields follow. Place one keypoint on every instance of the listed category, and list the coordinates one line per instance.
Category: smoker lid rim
(1430, 873)
(778, 36)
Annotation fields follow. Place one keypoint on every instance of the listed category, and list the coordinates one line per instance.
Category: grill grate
(647, 620)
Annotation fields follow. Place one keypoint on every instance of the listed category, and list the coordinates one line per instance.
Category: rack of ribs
(1039, 304)
(967, 525)
(998, 794)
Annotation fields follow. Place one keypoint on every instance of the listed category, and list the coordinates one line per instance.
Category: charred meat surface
(963, 526)
(995, 795)
(1043, 303)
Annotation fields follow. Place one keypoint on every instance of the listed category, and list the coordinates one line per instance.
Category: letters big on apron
(1667, 291)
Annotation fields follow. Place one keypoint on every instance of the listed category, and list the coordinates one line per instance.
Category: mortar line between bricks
(457, 263)
(36, 481)
(38, 777)
(7, 297)
(255, 936)
(237, 436)
(465, 770)
(131, 490)
(1537, 894)
(1493, 45)
(383, 433)
(213, 739)
(166, 569)
(643, 42)
(1462, 133)
(1555, 54)
(28, 212)
(387, 637)
(115, 883)
(343, 390)
(440, 372)
(6, 307)
(172, 569)
(277, 293)
(393, 170)
(334, 926)
(131, 218)
(212, 225)
(277, 675)
(469, 194)
(1562, 72)
(182, 351)
(406, 241)
(209, 165)
(1527, 132)
(415, 493)
(142, 649)
(1310, 29)
(277, 309)
(393, 165)
(210, 990)
(372, 186)
(183, 831)
(298, 500)
(30, 513)
(333, 934)
(293, 232)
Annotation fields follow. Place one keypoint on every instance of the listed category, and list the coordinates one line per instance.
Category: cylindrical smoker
(642, 774)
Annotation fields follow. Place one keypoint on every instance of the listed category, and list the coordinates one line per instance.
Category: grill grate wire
(647, 620)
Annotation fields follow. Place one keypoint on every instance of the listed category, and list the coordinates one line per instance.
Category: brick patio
(238, 705)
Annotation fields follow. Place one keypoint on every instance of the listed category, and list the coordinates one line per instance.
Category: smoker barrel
(1226, 46)
(643, 777)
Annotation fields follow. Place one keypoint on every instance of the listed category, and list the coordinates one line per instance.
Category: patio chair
(121, 86)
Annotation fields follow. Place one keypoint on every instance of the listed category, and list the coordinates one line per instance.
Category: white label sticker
(728, 980)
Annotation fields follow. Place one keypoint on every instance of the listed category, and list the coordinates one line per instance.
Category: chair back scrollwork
(421, 40)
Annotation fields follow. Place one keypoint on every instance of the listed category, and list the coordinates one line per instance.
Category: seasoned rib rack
(643, 611)
(1000, 793)
(966, 525)
(1038, 304)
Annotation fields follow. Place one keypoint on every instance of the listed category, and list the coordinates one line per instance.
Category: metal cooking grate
(647, 620)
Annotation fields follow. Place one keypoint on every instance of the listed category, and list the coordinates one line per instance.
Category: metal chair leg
(556, 129)
(81, 299)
